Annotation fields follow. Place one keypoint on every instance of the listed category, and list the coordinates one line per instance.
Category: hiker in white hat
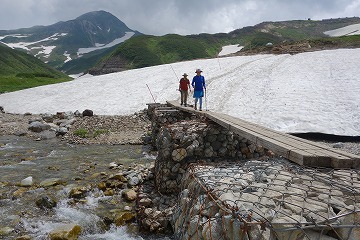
(199, 86)
(184, 87)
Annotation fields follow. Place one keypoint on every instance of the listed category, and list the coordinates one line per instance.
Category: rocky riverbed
(101, 171)
(68, 174)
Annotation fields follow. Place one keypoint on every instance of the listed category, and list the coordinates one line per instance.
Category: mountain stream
(71, 165)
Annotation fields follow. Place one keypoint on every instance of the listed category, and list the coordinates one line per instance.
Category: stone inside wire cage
(267, 200)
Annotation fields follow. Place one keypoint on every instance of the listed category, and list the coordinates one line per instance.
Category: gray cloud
(160, 17)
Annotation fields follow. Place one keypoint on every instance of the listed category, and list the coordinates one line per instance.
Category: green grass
(83, 133)
(292, 34)
(344, 41)
(98, 132)
(14, 83)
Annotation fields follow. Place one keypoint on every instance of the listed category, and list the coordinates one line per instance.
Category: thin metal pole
(174, 72)
(151, 93)
(206, 106)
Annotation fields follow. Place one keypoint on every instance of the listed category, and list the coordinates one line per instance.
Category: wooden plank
(318, 159)
(279, 147)
(304, 141)
(334, 150)
(306, 144)
(167, 110)
(297, 143)
(341, 163)
(162, 108)
(292, 154)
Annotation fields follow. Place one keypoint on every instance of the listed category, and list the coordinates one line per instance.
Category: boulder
(78, 192)
(134, 181)
(102, 186)
(45, 202)
(51, 182)
(60, 115)
(109, 192)
(62, 131)
(118, 176)
(47, 117)
(129, 195)
(18, 193)
(24, 237)
(65, 232)
(77, 113)
(20, 133)
(67, 123)
(87, 113)
(5, 231)
(45, 135)
(179, 154)
(38, 126)
(145, 202)
(124, 217)
(27, 182)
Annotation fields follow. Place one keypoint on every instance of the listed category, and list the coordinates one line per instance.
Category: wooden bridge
(295, 149)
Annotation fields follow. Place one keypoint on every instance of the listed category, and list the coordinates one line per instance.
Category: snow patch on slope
(307, 92)
(98, 46)
(345, 31)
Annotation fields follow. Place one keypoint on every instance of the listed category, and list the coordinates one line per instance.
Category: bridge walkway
(295, 149)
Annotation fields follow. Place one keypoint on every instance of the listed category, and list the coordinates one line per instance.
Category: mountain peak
(95, 14)
(72, 39)
(103, 19)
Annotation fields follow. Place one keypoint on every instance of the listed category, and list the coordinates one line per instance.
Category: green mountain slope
(144, 51)
(19, 70)
(288, 31)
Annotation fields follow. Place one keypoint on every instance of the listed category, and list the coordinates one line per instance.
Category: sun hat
(185, 75)
(198, 70)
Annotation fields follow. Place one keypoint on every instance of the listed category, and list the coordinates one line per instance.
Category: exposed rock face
(113, 64)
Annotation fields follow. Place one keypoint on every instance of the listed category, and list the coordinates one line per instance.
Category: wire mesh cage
(186, 142)
(267, 200)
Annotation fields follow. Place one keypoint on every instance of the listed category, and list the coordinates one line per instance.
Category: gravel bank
(131, 129)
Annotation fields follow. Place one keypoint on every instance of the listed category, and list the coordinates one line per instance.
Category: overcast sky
(159, 17)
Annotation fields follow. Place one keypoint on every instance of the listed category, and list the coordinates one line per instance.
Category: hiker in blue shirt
(198, 83)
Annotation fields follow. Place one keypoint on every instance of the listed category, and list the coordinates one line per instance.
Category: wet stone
(65, 232)
(51, 182)
(45, 202)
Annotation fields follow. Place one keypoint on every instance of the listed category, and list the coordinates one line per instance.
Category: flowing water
(74, 165)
